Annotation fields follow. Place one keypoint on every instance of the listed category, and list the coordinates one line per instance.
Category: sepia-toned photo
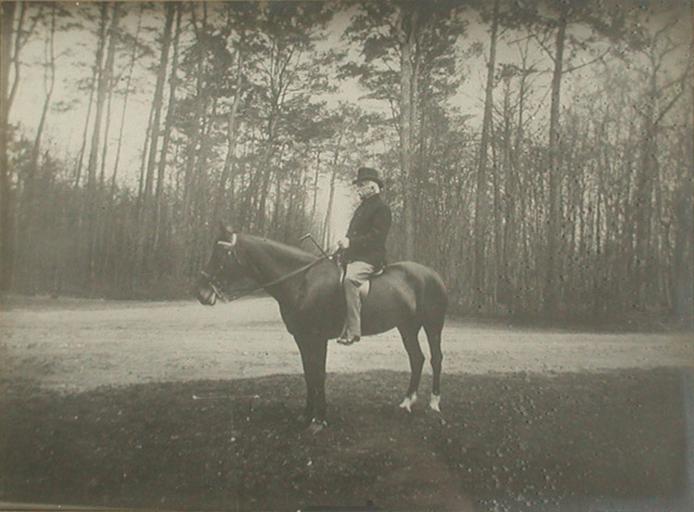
(332, 255)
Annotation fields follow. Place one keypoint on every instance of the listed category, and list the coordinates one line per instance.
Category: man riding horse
(408, 296)
(364, 247)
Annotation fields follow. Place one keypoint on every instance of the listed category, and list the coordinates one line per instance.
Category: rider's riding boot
(342, 340)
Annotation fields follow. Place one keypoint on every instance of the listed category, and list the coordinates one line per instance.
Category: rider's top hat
(367, 173)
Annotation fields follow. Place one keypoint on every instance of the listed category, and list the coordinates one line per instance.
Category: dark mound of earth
(503, 442)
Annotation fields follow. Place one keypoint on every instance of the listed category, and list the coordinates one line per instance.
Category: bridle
(230, 247)
(212, 280)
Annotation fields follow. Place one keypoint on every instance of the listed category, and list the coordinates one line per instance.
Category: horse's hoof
(435, 403)
(408, 402)
(317, 426)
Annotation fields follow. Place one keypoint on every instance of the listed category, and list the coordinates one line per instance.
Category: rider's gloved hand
(343, 243)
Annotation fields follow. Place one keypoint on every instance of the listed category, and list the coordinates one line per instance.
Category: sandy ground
(75, 345)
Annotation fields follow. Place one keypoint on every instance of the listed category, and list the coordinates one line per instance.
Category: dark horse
(407, 296)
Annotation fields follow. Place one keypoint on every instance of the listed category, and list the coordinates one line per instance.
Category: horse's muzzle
(207, 297)
(205, 293)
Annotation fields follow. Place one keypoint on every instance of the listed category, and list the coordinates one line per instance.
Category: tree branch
(542, 45)
(670, 104)
(18, 43)
(521, 39)
(665, 28)
(598, 58)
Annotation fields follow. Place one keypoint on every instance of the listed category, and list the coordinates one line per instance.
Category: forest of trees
(537, 153)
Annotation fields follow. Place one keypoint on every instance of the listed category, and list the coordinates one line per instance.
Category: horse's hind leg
(414, 352)
(433, 331)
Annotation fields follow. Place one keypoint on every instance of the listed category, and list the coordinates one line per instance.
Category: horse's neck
(270, 261)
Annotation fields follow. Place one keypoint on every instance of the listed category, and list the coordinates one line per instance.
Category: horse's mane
(286, 251)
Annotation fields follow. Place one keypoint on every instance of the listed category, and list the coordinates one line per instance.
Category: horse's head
(223, 269)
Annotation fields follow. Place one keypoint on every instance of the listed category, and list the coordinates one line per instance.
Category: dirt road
(75, 345)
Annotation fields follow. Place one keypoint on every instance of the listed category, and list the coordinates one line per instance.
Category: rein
(216, 287)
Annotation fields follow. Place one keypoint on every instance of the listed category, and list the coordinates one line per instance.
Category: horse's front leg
(321, 353)
(307, 415)
(313, 356)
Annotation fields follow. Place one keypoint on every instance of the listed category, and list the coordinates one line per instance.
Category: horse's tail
(432, 305)
(432, 302)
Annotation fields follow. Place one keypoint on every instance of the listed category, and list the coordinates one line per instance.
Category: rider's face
(366, 188)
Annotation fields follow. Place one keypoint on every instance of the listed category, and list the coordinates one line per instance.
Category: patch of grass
(518, 439)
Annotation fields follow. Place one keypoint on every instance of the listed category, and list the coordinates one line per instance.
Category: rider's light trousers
(357, 273)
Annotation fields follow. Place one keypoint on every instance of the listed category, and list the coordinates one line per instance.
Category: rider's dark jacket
(368, 231)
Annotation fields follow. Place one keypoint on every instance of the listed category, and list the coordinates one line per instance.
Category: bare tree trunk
(232, 136)
(480, 226)
(315, 186)
(276, 222)
(20, 39)
(688, 302)
(90, 196)
(100, 97)
(133, 58)
(195, 139)
(514, 227)
(261, 181)
(262, 201)
(15, 206)
(683, 272)
(407, 26)
(647, 201)
(170, 113)
(105, 145)
(551, 283)
(112, 234)
(506, 241)
(6, 233)
(108, 79)
(50, 81)
(597, 291)
(143, 168)
(85, 132)
(27, 225)
(331, 198)
(98, 242)
(157, 104)
(644, 189)
(146, 225)
(493, 292)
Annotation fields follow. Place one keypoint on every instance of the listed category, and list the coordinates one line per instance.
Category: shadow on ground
(504, 442)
